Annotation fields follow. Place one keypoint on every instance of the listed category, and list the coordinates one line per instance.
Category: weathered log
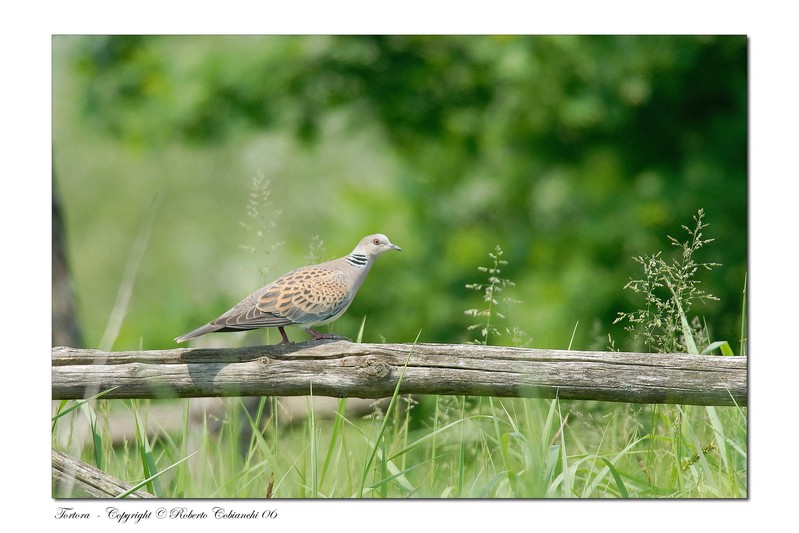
(75, 479)
(345, 369)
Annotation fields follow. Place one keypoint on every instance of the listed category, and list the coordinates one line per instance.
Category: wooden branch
(342, 369)
(76, 479)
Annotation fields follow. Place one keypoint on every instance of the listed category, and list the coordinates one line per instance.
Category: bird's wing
(307, 296)
(245, 316)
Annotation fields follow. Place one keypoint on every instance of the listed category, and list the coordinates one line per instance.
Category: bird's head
(375, 245)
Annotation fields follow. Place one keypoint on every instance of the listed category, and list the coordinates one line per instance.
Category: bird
(308, 296)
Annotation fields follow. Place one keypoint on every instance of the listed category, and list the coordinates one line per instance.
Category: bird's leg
(283, 334)
(317, 335)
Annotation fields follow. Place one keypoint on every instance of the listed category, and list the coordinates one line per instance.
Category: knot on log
(373, 367)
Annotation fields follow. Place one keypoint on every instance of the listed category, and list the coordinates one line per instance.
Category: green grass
(470, 448)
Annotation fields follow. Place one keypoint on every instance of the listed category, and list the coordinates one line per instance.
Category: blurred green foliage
(573, 153)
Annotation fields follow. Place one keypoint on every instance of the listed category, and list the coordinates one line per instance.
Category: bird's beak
(395, 247)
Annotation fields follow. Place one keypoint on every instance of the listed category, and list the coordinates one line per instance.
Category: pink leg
(317, 335)
(283, 334)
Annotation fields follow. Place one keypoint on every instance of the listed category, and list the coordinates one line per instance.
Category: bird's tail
(202, 330)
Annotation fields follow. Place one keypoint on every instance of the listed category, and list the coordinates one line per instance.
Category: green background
(573, 153)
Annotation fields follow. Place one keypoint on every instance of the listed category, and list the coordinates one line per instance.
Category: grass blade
(338, 422)
(146, 454)
(617, 478)
(724, 346)
(359, 337)
(742, 349)
(687, 333)
(312, 431)
(139, 485)
(373, 452)
(97, 440)
(125, 291)
(62, 412)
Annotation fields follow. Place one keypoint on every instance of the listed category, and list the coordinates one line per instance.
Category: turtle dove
(308, 296)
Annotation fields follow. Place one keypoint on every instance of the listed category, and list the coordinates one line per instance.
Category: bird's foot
(285, 337)
(319, 336)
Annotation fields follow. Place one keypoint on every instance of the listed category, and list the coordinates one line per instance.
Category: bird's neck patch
(357, 259)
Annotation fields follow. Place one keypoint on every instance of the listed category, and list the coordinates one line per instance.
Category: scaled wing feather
(307, 296)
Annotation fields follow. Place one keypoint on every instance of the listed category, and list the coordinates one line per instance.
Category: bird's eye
(375, 241)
